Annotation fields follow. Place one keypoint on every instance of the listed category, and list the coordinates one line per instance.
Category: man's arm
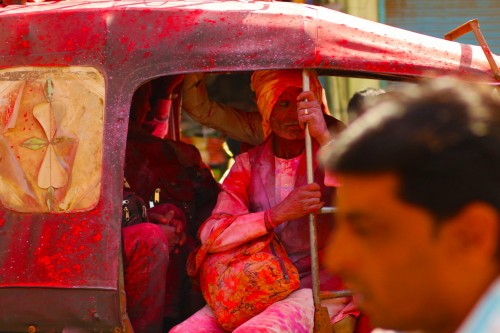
(233, 204)
(237, 124)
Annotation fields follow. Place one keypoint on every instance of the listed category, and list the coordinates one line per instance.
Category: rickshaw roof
(147, 38)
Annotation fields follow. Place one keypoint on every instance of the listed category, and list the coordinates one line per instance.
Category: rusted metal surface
(76, 254)
(335, 294)
(322, 323)
(54, 309)
(473, 25)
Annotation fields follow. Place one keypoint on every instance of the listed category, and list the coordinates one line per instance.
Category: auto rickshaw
(68, 71)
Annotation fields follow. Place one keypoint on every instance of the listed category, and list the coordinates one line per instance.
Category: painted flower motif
(52, 173)
(51, 138)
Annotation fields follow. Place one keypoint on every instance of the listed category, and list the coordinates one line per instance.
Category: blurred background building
(430, 17)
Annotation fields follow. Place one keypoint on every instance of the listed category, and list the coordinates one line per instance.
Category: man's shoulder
(485, 317)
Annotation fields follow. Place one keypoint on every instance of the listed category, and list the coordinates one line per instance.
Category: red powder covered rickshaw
(68, 71)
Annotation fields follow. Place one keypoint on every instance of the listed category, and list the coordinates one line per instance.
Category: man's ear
(475, 231)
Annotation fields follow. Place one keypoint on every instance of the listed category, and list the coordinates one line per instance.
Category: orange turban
(268, 86)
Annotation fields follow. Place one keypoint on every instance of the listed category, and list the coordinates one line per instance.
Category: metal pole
(312, 219)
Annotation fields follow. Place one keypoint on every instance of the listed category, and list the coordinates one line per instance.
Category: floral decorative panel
(51, 137)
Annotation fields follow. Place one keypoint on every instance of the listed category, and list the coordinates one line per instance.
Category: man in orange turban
(268, 86)
(247, 127)
(266, 192)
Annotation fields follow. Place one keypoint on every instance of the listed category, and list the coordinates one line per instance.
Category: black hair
(358, 102)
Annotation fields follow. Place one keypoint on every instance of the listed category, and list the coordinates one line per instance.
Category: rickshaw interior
(233, 89)
(217, 150)
(156, 107)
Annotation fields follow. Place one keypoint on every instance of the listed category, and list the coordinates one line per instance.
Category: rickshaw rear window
(51, 137)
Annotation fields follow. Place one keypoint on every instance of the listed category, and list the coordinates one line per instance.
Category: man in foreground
(418, 233)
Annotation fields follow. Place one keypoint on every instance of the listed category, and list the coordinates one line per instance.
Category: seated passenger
(146, 252)
(146, 248)
(145, 263)
(266, 190)
(170, 172)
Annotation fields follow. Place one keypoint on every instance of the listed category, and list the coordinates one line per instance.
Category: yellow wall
(340, 89)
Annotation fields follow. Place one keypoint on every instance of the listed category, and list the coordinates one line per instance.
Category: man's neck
(287, 149)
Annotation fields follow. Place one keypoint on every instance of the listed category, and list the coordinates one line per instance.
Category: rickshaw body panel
(62, 270)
